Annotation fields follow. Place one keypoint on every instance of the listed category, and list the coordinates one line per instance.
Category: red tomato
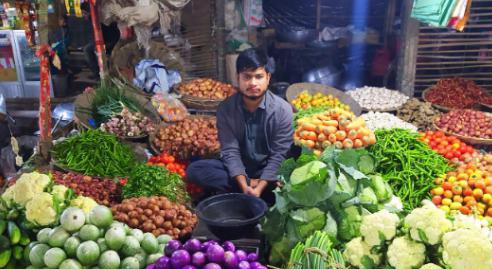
(439, 134)
(470, 149)
(447, 186)
(437, 200)
(449, 155)
(429, 133)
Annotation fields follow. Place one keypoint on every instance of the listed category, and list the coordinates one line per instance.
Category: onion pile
(128, 124)
(207, 88)
(467, 122)
(104, 191)
(194, 136)
(156, 215)
(377, 99)
(208, 255)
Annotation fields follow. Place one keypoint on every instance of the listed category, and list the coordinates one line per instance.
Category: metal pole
(98, 40)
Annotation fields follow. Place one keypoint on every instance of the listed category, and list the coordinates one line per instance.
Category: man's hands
(256, 187)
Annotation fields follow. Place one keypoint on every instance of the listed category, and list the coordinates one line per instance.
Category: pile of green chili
(95, 153)
(152, 180)
(409, 165)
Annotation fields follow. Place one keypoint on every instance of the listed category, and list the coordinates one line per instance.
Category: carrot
(332, 138)
(327, 130)
(308, 126)
(326, 144)
(322, 137)
(312, 136)
(358, 143)
(356, 124)
(310, 144)
(333, 123)
(352, 134)
(348, 144)
(341, 135)
(338, 144)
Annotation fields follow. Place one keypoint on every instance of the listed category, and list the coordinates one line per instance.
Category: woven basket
(467, 139)
(83, 104)
(312, 88)
(126, 55)
(198, 103)
(183, 155)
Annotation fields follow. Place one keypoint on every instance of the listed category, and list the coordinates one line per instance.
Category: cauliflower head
(381, 223)
(465, 248)
(430, 266)
(404, 253)
(40, 209)
(84, 203)
(356, 251)
(28, 186)
(421, 229)
(60, 191)
(8, 195)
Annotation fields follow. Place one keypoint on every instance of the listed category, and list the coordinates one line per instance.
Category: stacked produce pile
(104, 191)
(333, 127)
(94, 153)
(420, 114)
(426, 235)
(466, 122)
(206, 88)
(467, 190)
(378, 99)
(383, 120)
(328, 193)
(194, 136)
(306, 101)
(151, 180)
(93, 240)
(456, 93)
(482, 161)
(208, 255)
(156, 215)
(407, 164)
(128, 124)
(32, 202)
(167, 160)
(448, 146)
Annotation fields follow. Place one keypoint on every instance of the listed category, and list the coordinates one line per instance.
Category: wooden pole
(44, 121)
(407, 59)
(98, 40)
(318, 15)
(220, 38)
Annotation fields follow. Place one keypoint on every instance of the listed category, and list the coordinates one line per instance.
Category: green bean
(407, 164)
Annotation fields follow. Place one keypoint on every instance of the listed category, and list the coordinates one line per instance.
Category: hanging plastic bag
(169, 107)
(253, 12)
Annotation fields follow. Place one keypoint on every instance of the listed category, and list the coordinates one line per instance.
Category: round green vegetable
(70, 264)
(130, 263)
(71, 246)
(88, 253)
(43, 235)
(142, 259)
(130, 247)
(103, 246)
(72, 219)
(153, 258)
(89, 232)
(109, 260)
(54, 257)
(164, 238)
(138, 234)
(101, 216)
(57, 237)
(115, 237)
(149, 243)
(36, 256)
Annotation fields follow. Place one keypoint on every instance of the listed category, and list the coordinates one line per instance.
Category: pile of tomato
(448, 146)
(170, 163)
(468, 190)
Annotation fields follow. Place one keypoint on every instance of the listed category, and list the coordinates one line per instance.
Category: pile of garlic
(378, 99)
(381, 120)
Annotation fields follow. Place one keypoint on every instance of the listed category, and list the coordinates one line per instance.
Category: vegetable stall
(389, 188)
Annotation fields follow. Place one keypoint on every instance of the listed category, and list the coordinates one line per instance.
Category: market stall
(382, 180)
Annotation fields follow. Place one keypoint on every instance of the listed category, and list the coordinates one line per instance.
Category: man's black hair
(252, 59)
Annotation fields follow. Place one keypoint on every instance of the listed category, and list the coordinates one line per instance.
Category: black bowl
(231, 216)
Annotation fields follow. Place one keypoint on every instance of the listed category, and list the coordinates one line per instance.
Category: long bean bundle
(95, 153)
(409, 165)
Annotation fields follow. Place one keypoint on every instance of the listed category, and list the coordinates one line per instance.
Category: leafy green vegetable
(349, 223)
(152, 180)
(109, 101)
(314, 253)
(381, 188)
(312, 171)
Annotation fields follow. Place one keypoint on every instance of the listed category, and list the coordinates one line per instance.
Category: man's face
(253, 84)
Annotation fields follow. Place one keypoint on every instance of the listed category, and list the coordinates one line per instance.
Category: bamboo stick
(461, 74)
(470, 78)
(453, 63)
(453, 39)
(454, 51)
(456, 67)
(471, 43)
(459, 57)
(452, 34)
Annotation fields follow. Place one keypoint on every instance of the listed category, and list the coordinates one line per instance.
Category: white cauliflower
(40, 209)
(430, 266)
(394, 205)
(84, 203)
(28, 185)
(60, 191)
(422, 229)
(356, 251)
(404, 253)
(374, 226)
(467, 248)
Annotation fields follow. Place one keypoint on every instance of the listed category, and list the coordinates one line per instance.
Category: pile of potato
(207, 88)
(194, 136)
(156, 215)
